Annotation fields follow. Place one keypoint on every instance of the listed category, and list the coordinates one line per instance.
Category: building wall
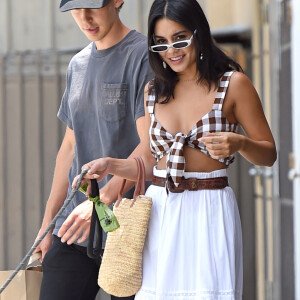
(40, 24)
(229, 13)
(296, 141)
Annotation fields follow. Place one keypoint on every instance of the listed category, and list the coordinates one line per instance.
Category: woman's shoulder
(240, 79)
(241, 88)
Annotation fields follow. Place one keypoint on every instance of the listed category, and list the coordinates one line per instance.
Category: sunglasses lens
(180, 45)
(159, 48)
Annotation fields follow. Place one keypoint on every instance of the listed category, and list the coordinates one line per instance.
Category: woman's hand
(97, 169)
(222, 144)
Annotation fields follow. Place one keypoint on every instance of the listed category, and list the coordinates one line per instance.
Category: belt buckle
(193, 184)
(172, 188)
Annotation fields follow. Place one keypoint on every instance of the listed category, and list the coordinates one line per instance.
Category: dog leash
(35, 245)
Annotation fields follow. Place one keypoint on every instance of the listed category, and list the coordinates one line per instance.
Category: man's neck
(114, 36)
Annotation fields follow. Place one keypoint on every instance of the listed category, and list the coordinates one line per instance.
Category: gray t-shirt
(104, 97)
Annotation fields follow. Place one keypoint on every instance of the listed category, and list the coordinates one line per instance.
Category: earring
(201, 56)
(164, 65)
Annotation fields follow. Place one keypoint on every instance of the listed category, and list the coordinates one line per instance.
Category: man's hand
(77, 225)
(45, 244)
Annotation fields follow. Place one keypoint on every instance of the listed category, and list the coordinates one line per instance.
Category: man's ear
(118, 3)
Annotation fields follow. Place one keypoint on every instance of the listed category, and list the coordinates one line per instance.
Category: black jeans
(69, 274)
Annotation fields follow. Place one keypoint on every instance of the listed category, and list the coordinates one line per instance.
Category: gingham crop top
(164, 143)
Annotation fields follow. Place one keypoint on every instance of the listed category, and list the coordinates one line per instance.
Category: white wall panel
(3, 26)
(38, 24)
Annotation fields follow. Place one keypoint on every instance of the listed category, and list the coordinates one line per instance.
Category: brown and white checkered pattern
(163, 143)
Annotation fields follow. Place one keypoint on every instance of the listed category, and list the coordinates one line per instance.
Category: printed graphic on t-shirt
(113, 104)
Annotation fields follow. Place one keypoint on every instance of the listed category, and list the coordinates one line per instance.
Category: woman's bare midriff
(195, 161)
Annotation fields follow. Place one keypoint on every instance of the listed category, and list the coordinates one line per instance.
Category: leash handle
(95, 227)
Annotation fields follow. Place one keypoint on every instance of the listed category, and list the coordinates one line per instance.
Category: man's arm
(59, 187)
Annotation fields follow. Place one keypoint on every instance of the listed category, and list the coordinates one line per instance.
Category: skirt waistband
(198, 175)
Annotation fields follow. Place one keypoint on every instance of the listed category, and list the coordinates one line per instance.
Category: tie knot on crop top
(164, 143)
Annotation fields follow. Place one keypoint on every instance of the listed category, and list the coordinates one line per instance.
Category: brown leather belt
(191, 184)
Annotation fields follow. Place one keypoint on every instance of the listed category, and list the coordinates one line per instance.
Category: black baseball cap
(66, 5)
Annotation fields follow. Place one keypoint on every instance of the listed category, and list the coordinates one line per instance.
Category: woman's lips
(176, 60)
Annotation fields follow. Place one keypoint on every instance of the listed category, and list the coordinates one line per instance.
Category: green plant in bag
(108, 220)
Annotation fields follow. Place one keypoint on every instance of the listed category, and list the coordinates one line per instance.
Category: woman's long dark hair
(214, 63)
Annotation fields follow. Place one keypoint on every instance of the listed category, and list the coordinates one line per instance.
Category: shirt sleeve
(144, 76)
(64, 113)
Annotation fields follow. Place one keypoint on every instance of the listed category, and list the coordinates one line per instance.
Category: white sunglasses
(175, 45)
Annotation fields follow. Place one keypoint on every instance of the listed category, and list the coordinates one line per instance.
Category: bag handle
(140, 184)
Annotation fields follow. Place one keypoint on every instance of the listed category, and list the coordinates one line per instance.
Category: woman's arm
(257, 145)
(125, 168)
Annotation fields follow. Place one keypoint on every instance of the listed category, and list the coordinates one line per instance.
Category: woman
(193, 106)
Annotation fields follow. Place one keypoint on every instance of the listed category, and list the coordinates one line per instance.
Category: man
(103, 109)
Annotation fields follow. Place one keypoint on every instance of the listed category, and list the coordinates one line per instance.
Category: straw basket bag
(120, 272)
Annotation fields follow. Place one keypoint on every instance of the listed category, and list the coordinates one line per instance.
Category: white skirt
(193, 249)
